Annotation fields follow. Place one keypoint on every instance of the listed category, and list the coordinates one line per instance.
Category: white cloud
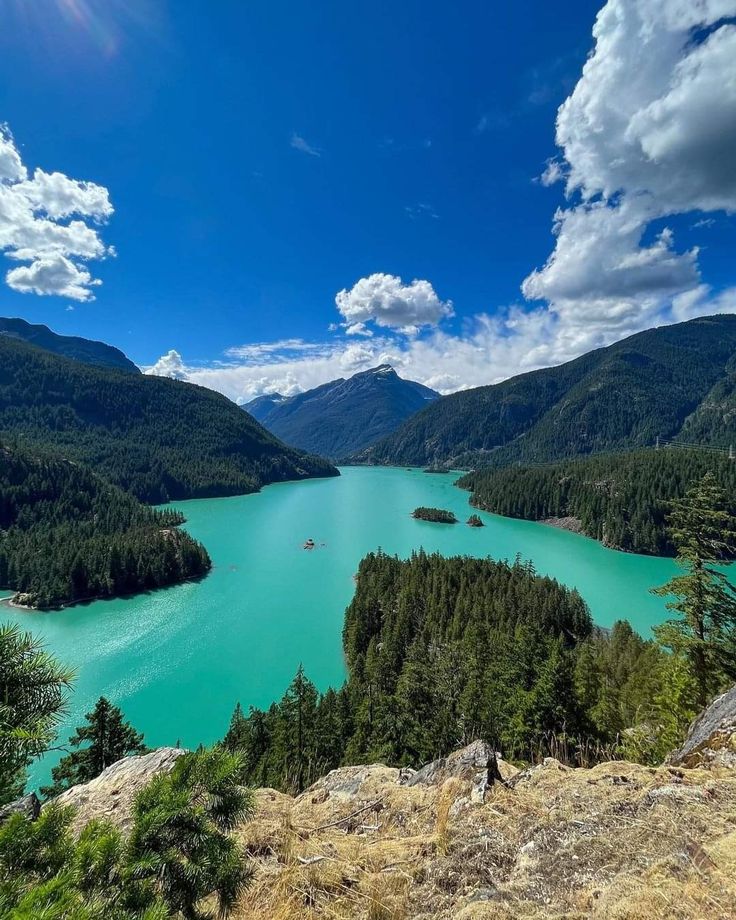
(299, 143)
(386, 301)
(648, 132)
(35, 227)
(170, 365)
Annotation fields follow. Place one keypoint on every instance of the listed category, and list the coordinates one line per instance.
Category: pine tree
(703, 529)
(33, 689)
(106, 737)
(181, 847)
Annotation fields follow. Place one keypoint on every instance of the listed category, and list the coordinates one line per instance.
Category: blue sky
(261, 157)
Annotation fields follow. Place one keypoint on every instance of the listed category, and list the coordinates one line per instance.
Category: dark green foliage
(439, 651)
(436, 515)
(66, 535)
(33, 688)
(157, 438)
(180, 848)
(68, 346)
(475, 521)
(620, 499)
(616, 398)
(341, 417)
(105, 739)
(179, 852)
(703, 529)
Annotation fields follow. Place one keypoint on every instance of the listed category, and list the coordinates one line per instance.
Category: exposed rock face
(619, 841)
(711, 740)
(111, 794)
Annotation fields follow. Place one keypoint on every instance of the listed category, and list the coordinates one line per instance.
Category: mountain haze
(343, 416)
(157, 438)
(677, 380)
(67, 346)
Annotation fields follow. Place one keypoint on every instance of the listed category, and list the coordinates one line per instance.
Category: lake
(178, 660)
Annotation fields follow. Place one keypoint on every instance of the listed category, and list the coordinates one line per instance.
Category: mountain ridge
(344, 415)
(87, 351)
(664, 381)
(158, 438)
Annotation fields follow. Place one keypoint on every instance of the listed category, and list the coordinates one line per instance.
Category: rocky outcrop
(619, 841)
(464, 764)
(711, 740)
(28, 805)
(112, 793)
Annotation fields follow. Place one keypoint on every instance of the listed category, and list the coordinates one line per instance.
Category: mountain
(157, 438)
(677, 380)
(260, 407)
(68, 346)
(343, 416)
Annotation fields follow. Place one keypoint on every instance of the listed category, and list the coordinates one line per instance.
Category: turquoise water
(178, 660)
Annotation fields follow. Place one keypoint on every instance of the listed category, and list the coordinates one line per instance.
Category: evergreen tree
(33, 688)
(704, 531)
(105, 739)
(180, 846)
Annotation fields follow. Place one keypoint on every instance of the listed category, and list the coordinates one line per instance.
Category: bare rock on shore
(111, 795)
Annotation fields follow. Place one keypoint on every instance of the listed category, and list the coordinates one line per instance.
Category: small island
(436, 469)
(475, 521)
(435, 515)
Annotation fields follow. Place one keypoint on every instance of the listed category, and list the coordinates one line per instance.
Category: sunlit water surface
(178, 660)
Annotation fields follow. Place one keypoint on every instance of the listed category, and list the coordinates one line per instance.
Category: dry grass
(619, 841)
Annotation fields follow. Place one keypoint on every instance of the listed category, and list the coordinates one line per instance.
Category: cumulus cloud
(50, 222)
(648, 132)
(386, 301)
(170, 365)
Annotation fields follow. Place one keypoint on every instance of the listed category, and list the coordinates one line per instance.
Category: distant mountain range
(673, 381)
(157, 438)
(68, 346)
(344, 416)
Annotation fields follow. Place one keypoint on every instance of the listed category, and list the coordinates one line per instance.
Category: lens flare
(103, 23)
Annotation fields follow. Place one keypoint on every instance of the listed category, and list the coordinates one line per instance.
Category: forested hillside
(620, 499)
(157, 438)
(442, 651)
(67, 346)
(67, 535)
(668, 381)
(343, 416)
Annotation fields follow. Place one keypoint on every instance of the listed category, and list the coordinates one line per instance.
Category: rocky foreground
(619, 841)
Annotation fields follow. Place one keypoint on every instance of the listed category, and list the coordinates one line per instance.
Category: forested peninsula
(622, 500)
(67, 535)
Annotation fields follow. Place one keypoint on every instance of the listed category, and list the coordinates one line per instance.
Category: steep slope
(67, 346)
(261, 406)
(343, 416)
(620, 499)
(660, 382)
(157, 438)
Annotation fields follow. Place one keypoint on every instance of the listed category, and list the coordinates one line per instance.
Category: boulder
(464, 764)
(111, 794)
(711, 740)
(28, 805)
